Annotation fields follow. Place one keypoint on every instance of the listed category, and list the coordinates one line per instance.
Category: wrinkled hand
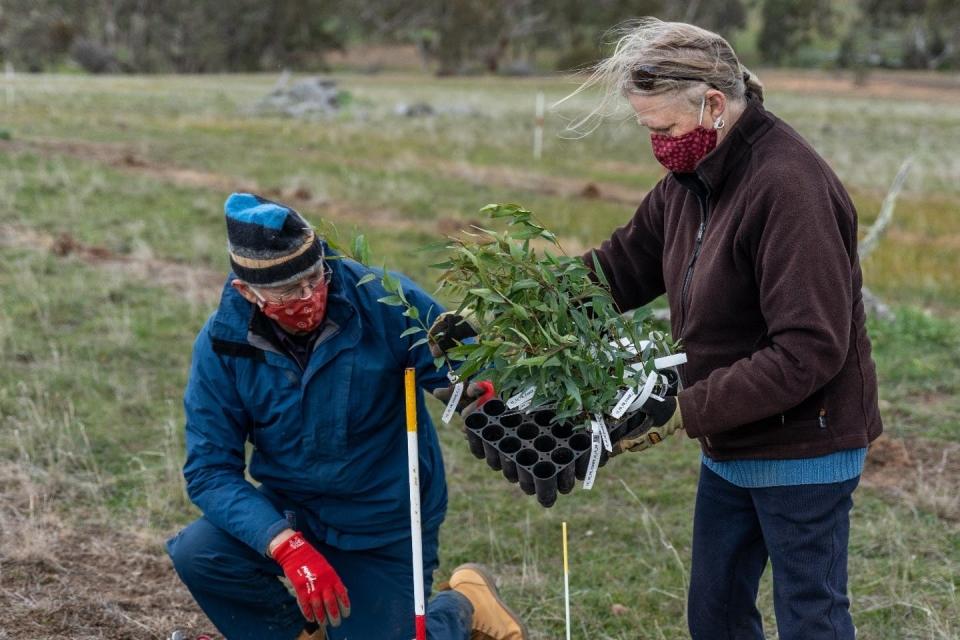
(653, 423)
(447, 331)
(474, 396)
(320, 592)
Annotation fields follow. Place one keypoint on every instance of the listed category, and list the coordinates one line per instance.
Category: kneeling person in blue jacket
(308, 367)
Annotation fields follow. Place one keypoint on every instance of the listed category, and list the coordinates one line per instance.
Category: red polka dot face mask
(682, 153)
(299, 315)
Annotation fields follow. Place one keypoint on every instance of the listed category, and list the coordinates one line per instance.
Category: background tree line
(458, 36)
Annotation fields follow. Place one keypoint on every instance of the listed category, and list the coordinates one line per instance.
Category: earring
(719, 123)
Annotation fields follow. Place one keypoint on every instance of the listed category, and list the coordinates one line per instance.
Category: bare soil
(197, 284)
(918, 472)
(936, 87)
(79, 574)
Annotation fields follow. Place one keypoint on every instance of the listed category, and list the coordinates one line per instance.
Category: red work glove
(474, 396)
(487, 392)
(320, 593)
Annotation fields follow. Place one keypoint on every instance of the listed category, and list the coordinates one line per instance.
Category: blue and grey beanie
(269, 243)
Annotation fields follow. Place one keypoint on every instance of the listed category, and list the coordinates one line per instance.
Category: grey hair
(670, 58)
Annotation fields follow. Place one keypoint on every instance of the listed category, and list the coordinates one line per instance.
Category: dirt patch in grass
(340, 212)
(917, 472)
(937, 87)
(515, 178)
(128, 159)
(125, 158)
(197, 284)
(66, 577)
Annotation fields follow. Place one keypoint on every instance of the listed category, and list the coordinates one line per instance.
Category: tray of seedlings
(547, 333)
(545, 455)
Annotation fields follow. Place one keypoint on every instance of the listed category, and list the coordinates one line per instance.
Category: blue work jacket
(331, 437)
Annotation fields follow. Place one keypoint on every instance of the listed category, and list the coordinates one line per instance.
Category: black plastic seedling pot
(509, 447)
(544, 457)
(492, 434)
(473, 424)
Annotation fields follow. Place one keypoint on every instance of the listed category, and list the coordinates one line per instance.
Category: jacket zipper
(704, 215)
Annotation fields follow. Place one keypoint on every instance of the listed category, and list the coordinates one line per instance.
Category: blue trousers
(239, 590)
(803, 530)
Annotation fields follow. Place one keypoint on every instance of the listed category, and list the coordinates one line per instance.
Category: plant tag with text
(625, 401)
(594, 463)
(454, 401)
(523, 399)
(600, 424)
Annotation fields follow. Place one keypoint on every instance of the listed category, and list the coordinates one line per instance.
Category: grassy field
(112, 252)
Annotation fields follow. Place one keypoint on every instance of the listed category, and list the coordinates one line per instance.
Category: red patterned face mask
(299, 315)
(682, 153)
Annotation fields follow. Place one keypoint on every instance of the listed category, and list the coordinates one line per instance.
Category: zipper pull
(703, 226)
(823, 418)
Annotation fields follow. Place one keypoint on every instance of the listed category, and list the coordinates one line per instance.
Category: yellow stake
(409, 379)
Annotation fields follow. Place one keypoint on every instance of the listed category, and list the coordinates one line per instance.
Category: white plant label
(648, 387)
(600, 424)
(672, 360)
(523, 399)
(645, 392)
(454, 401)
(594, 463)
(625, 401)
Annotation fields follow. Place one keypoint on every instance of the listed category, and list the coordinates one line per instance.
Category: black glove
(447, 331)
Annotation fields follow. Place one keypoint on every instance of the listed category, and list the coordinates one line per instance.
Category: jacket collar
(716, 166)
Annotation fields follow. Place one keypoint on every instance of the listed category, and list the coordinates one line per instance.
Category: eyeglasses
(645, 78)
(299, 291)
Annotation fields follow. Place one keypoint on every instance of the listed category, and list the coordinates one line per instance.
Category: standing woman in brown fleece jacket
(754, 240)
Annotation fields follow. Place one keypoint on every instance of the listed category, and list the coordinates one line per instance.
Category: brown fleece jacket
(757, 253)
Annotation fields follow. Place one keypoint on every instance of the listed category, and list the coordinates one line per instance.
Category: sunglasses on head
(645, 78)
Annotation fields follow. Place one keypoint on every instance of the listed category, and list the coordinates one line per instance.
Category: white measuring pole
(413, 458)
(538, 128)
(566, 581)
(8, 76)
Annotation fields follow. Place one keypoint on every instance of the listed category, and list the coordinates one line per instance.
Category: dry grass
(113, 188)
(81, 573)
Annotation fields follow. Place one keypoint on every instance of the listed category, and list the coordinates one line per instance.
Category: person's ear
(716, 105)
(244, 290)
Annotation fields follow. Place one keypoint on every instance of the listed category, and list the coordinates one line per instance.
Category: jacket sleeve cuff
(270, 533)
(688, 413)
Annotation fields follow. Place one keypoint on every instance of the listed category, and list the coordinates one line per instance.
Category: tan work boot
(492, 619)
(319, 634)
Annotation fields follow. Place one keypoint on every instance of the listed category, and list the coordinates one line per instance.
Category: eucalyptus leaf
(392, 300)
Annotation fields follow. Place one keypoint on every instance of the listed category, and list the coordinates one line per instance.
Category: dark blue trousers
(803, 530)
(239, 590)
